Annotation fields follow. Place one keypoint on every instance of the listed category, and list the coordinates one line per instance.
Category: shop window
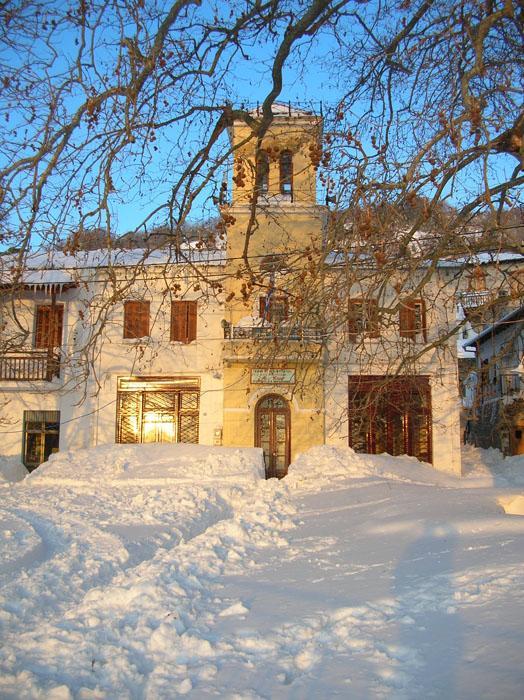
(262, 173)
(136, 319)
(158, 411)
(363, 319)
(412, 319)
(390, 415)
(274, 308)
(48, 326)
(40, 437)
(286, 173)
(183, 321)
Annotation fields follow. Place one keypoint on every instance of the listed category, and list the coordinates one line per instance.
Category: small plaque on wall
(272, 376)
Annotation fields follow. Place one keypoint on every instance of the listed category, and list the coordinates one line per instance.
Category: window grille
(390, 415)
(170, 415)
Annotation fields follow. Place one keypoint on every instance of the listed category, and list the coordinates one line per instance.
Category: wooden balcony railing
(284, 333)
(29, 367)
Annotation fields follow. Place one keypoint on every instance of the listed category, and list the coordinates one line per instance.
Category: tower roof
(281, 109)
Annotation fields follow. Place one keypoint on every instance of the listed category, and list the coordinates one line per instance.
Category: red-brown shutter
(407, 317)
(263, 312)
(354, 314)
(372, 320)
(424, 328)
(177, 321)
(191, 321)
(183, 321)
(49, 326)
(136, 319)
(412, 319)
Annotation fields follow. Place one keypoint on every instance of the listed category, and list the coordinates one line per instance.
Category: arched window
(286, 173)
(262, 173)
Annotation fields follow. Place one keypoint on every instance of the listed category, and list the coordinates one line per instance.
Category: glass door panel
(272, 434)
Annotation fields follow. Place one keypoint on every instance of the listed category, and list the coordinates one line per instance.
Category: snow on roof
(281, 109)
(41, 280)
(51, 266)
(496, 327)
(337, 257)
(484, 258)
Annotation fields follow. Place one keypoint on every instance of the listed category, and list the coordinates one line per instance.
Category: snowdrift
(324, 465)
(11, 470)
(489, 467)
(154, 463)
(321, 466)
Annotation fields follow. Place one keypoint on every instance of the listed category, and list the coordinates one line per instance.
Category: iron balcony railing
(473, 300)
(284, 333)
(29, 366)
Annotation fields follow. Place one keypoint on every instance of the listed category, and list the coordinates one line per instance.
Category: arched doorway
(273, 434)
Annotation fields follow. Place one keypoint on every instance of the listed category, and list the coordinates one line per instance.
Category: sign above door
(272, 376)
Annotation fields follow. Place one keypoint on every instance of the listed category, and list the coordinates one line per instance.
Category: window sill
(144, 340)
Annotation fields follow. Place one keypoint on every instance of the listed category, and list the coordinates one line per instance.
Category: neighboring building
(498, 417)
(288, 348)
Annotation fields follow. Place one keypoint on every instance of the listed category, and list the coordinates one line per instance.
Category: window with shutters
(286, 173)
(412, 319)
(363, 319)
(477, 280)
(183, 321)
(136, 319)
(274, 308)
(48, 326)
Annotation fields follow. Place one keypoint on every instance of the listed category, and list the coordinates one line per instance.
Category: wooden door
(273, 434)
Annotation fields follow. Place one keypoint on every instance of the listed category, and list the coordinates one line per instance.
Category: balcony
(29, 366)
(282, 333)
(474, 300)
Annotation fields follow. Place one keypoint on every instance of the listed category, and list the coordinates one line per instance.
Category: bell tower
(273, 209)
(273, 389)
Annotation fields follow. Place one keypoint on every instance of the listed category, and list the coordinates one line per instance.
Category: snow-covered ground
(163, 570)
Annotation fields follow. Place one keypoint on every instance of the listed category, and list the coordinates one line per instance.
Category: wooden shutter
(407, 325)
(412, 319)
(363, 319)
(263, 311)
(136, 319)
(372, 320)
(183, 321)
(354, 319)
(423, 326)
(191, 321)
(49, 326)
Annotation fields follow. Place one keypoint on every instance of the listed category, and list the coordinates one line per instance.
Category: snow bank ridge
(154, 463)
